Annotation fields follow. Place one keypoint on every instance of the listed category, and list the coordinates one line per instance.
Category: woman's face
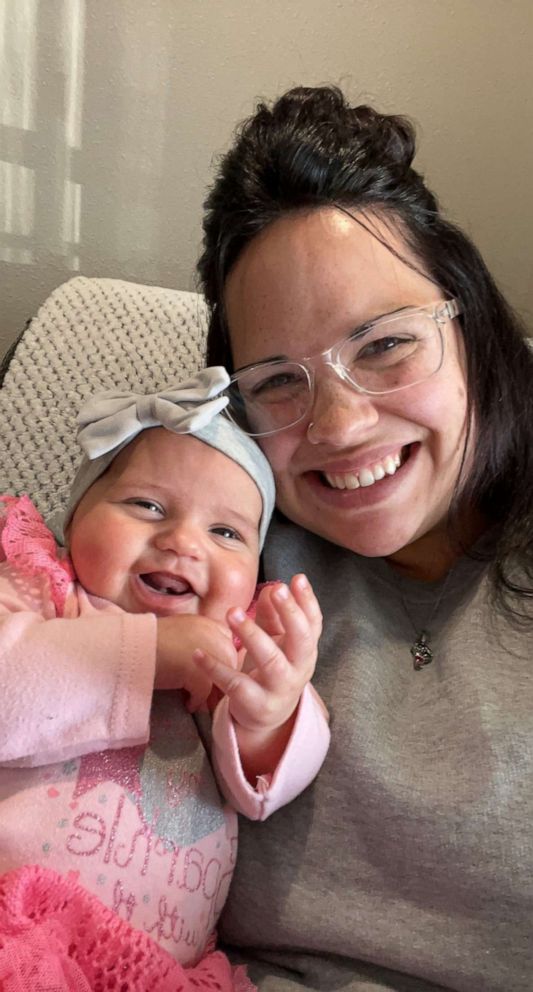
(307, 281)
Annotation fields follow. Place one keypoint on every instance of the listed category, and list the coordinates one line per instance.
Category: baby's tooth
(389, 465)
(365, 477)
(339, 482)
(397, 460)
(378, 472)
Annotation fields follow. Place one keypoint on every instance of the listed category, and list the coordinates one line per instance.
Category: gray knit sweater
(408, 864)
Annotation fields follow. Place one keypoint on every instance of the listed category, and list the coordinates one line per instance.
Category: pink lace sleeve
(28, 545)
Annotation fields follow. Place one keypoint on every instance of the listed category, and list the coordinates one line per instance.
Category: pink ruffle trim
(56, 937)
(30, 547)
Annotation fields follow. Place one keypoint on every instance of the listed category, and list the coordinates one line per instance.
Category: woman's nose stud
(309, 433)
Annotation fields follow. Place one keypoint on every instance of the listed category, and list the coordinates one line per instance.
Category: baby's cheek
(239, 585)
(95, 576)
(96, 566)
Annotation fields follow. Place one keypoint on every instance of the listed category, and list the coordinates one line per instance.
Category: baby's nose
(180, 537)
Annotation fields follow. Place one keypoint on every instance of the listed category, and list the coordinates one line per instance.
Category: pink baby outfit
(57, 937)
(104, 781)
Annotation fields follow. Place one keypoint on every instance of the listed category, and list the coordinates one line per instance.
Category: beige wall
(112, 111)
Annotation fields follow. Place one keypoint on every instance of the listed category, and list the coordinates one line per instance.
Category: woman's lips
(366, 491)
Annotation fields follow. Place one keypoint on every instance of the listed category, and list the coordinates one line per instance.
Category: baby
(104, 782)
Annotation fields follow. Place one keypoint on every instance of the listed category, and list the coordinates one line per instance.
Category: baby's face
(170, 528)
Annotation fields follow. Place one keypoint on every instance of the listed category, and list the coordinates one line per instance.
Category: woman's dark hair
(311, 149)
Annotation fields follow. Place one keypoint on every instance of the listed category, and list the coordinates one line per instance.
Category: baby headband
(109, 421)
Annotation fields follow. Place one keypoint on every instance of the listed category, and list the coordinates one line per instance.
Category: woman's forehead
(322, 273)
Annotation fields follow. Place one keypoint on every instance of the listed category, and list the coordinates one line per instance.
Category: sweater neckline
(466, 572)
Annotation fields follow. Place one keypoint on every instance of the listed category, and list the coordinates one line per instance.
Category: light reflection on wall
(17, 198)
(37, 153)
(17, 62)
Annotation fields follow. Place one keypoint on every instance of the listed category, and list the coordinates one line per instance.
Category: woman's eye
(228, 532)
(280, 381)
(380, 347)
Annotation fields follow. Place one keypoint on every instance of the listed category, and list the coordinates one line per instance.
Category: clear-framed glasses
(383, 356)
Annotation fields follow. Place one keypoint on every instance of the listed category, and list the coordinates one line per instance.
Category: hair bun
(325, 112)
(392, 134)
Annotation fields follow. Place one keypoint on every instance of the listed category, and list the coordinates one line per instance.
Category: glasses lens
(393, 353)
(270, 397)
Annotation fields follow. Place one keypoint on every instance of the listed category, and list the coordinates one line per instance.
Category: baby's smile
(167, 584)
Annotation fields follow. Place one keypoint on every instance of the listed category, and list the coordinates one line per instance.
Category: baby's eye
(228, 532)
(146, 504)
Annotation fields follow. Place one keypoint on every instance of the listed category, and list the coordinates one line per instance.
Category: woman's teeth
(366, 476)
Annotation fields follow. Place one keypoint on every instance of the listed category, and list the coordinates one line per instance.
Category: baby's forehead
(185, 464)
(159, 446)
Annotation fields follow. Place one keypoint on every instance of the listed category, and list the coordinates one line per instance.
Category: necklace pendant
(421, 652)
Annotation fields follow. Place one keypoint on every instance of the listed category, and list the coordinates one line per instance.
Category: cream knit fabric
(89, 335)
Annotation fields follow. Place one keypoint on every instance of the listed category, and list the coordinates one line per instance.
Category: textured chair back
(90, 334)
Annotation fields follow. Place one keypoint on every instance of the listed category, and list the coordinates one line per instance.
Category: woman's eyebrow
(263, 361)
(388, 313)
(358, 327)
(381, 316)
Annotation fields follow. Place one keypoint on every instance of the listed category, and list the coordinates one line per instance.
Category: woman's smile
(363, 470)
(356, 490)
(366, 476)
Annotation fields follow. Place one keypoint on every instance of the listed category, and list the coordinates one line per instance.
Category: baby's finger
(225, 677)
(268, 662)
(220, 648)
(303, 593)
(300, 640)
(266, 615)
(237, 685)
(199, 692)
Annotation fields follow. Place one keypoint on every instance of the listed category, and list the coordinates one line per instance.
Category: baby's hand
(177, 639)
(279, 661)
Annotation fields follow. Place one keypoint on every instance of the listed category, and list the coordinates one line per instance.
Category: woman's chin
(375, 538)
(370, 542)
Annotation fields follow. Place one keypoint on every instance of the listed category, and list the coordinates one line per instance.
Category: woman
(389, 385)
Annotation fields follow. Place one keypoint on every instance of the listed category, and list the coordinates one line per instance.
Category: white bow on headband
(110, 419)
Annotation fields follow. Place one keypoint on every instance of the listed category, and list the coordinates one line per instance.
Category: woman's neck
(431, 556)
